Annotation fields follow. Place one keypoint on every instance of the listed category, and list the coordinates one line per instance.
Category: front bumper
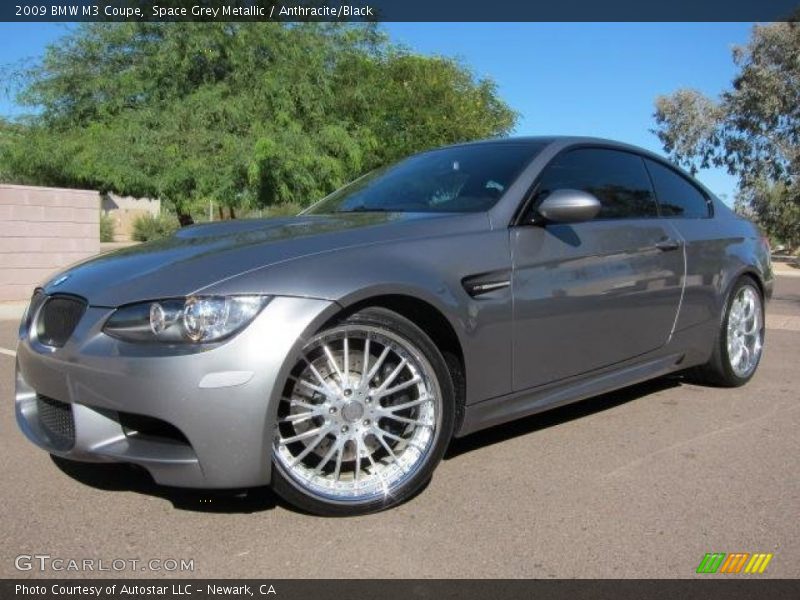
(221, 398)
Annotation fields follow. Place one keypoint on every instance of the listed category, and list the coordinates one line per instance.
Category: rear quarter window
(676, 195)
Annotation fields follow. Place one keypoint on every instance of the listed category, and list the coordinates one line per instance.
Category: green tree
(248, 115)
(753, 129)
(775, 206)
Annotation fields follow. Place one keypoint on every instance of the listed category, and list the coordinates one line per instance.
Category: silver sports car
(335, 354)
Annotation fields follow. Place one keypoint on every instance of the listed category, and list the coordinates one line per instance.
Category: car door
(591, 294)
(707, 243)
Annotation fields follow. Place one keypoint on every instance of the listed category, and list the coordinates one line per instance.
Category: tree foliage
(245, 114)
(753, 129)
(107, 227)
(147, 227)
(776, 207)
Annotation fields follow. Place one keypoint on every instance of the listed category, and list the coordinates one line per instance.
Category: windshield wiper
(363, 208)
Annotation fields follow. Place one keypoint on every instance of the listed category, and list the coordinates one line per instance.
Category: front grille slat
(57, 420)
(58, 319)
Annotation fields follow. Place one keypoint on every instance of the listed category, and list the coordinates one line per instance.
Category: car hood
(202, 255)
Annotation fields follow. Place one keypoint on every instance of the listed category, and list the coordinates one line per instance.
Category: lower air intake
(56, 419)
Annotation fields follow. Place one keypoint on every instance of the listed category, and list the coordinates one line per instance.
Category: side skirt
(528, 402)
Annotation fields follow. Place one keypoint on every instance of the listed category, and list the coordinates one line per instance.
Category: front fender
(428, 269)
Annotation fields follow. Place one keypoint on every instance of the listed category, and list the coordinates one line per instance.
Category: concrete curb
(784, 270)
(783, 322)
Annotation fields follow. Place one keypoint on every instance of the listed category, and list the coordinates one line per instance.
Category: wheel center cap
(352, 411)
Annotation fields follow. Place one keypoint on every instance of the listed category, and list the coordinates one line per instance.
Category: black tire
(718, 371)
(293, 492)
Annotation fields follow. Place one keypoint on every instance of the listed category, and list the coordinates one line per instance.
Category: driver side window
(616, 178)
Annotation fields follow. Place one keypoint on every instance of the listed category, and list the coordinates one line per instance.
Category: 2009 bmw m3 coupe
(334, 355)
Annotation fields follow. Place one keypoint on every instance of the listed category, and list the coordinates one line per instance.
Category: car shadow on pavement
(129, 478)
(558, 416)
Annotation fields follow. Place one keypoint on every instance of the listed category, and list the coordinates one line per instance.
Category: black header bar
(399, 10)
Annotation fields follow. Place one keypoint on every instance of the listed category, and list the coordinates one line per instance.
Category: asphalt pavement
(638, 483)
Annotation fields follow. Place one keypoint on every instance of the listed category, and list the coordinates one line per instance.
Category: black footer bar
(406, 589)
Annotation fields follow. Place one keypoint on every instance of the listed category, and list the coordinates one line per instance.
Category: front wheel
(740, 340)
(365, 417)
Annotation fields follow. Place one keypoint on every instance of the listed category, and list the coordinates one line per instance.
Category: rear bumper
(220, 399)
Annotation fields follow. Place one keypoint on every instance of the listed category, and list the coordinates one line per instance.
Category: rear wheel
(365, 417)
(740, 341)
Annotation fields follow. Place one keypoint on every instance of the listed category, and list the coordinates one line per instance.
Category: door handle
(668, 244)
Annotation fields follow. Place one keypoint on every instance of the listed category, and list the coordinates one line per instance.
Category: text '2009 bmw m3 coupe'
(335, 354)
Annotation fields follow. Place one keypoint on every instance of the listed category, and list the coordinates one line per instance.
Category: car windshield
(457, 179)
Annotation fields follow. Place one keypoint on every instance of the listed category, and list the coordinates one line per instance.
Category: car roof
(564, 141)
(555, 143)
(561, 140)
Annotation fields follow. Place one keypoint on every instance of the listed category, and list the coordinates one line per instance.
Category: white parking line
(7, 352)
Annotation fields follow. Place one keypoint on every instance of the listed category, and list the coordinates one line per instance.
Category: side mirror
(569, 206)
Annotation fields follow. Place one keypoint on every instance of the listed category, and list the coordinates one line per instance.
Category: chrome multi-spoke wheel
(360, 415)
(745, 331)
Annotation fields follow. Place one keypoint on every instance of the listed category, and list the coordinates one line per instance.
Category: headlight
(195, 319)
